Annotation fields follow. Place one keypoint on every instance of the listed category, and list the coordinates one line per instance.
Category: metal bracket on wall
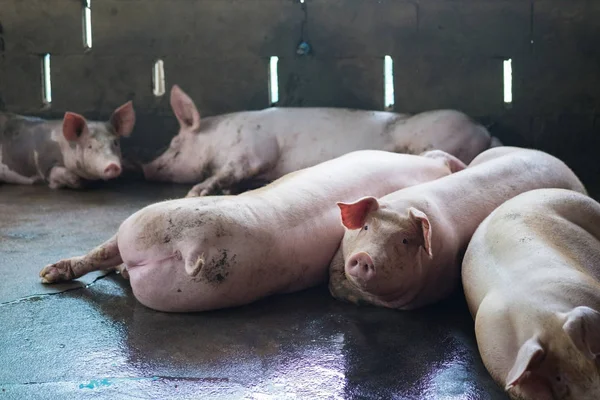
(304, 48)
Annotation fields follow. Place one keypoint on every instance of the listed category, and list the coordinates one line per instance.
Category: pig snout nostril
(361, 266)
(112, 171)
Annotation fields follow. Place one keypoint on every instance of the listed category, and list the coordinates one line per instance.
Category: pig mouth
(371, 292)
(156, 171)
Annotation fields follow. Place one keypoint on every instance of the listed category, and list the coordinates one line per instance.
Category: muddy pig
(224, 152)
(404, 251)
(531, 276)
(62, 153)
(205, 253)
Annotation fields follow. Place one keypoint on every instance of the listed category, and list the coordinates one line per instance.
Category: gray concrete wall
(447, 53)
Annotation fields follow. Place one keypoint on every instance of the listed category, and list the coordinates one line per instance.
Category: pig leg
(453, 163)
(105, 256)
(62, 177)
(231, 174)
(8, 176)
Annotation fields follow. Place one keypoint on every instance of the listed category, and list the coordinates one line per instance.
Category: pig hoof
(123, 271)
(59, 272)
(192, 193)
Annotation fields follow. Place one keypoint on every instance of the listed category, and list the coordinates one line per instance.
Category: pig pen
(92, 339)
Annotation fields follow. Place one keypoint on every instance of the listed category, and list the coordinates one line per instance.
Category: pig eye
(90, 146)
(366, 228)
(404, 241)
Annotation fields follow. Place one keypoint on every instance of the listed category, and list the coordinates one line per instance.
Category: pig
(226, 152)
(62, 153)
(204, 253)
(404, 250)
(531, 277)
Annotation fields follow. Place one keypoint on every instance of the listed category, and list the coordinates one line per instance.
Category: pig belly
(310, 150)
(165, 285)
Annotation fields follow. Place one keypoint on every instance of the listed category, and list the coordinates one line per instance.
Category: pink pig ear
(529, 358)
(73, 126)
(424, 227)
(355, 214)
(123, 119)
(185, 110)
(583, 327)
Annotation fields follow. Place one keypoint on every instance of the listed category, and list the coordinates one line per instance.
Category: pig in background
(62, 153)
(404, 250)
(226, 152)
(531, 276)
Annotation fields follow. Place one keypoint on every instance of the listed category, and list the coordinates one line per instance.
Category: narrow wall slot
(46, 80)
(388, 83)
(273, 81)
(507, 78)
(158, 78)
(87, 24)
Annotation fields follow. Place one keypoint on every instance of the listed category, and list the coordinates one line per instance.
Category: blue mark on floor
(97, 383)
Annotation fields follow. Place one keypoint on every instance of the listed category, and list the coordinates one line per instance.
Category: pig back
(538, 235)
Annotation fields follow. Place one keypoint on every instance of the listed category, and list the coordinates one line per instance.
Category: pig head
(559, 361)
(181, 162)
(91, 149)
(386, 252)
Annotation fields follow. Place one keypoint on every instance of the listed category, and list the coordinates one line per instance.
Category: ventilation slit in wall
(158, 78)
(273, 81)
(507, 82)
(87, 24)
(46, 81)
(388, 81)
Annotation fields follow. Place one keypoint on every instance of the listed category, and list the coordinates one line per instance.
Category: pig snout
(361, 267)
(154, 171)
(112, 170)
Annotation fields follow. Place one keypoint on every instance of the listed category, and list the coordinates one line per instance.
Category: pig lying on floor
(205, 253)
(62, 153)
(405, 250)
(225, 152)
(531, 276)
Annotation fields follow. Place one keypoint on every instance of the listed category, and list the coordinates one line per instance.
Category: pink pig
(226, 152)
(404, 250)
(531, 276)
(62, 153)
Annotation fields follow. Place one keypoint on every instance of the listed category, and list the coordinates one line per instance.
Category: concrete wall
(447, 53)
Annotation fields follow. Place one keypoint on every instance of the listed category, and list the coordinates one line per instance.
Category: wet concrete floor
(92, 340)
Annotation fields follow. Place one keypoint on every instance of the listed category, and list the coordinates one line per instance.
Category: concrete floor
(93, 340)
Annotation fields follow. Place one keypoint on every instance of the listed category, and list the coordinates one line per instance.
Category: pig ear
(73, 126)
(355, 214)
(583, 327)
(422, 222)
(123, 119)
(185, 110)
(529, 358)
